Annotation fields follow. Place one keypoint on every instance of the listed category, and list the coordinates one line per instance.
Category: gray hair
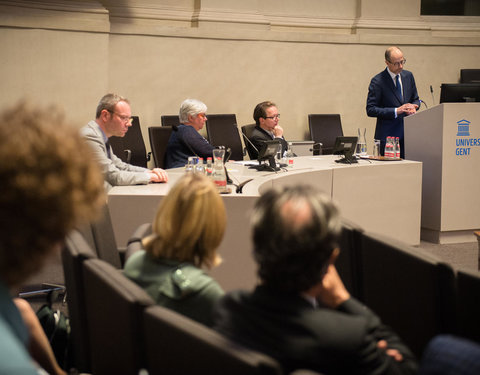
(191, 107)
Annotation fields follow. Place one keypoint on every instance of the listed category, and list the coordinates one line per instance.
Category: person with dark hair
(50, 184)
(301, 313)
(266, 118)
(392, 95)
(113, 117)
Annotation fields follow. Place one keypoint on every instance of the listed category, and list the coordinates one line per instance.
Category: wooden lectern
(446, 138)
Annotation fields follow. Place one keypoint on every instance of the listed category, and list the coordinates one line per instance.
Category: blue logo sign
(463, 128)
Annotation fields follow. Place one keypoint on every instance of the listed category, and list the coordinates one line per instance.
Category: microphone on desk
(240, 186)
(433, 98)
(248, 140)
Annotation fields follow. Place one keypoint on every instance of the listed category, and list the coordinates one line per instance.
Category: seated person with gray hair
(186, 140)
(301, 313)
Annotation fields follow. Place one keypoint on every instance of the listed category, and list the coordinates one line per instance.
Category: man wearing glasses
(266, 118)
(113, 118)
(392, 95)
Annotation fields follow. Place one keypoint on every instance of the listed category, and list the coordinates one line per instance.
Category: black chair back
(222, 130)
(74, 253)
(468, 304)
(115, 307)
(159, 136)
(192, 348)
(247, 132)
(469, 75)
(411, 290)
(325, 128)
(131, 148)
(170, 120)
(104, 238)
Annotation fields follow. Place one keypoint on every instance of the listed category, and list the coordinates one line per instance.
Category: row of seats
(116, 328)
(222, 130)
(412, 291)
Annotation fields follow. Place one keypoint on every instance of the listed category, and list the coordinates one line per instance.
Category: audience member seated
(301, 313)
(113, 118)
(266, 118)
(50, 183)
(187, 230)
(451, 355)
(186, 140)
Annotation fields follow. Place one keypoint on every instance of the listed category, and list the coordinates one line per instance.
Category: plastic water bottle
(199, 167)
(209, 168)
(397, 148)
(289, 155)
(389, 152)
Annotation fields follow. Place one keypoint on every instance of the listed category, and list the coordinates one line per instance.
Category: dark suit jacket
(259, 136)
(382, 100)
(288, 328)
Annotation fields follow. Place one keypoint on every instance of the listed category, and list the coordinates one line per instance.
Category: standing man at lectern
(392, 95)
(266, 118)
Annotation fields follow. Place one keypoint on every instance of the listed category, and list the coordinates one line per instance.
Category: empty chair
(324, 129)
(135, 241)
(159, 136)
(131, 147)
(176, 345)
(114, 307)
(469, 75)
(247, 132)
(170, 120)
(412, 291)
(74, 253)
(468, 305)
(222, 130)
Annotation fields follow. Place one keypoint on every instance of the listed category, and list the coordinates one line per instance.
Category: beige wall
(309, 56)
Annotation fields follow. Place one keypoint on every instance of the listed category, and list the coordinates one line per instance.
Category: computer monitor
(460, 92)
(345, 146)
(267, 152)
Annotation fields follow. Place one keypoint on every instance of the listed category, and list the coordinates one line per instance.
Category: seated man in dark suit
(301, 313)
(266, 118)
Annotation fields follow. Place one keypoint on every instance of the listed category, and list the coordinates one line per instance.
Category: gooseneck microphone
(421, 101)
(433, 98)
(249, 141)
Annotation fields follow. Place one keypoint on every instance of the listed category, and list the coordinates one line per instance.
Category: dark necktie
(398, 86)
(107, 146)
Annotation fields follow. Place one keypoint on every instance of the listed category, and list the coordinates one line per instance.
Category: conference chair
(247, 132)
(170, 120)
(222, 130)
(135, 241)
(177, 345)
(74, 253)
(159, 136)
(114, 306)
(131, 148)
(469, 75)
(468, 304)
(346, 263)
(411, 290)
(324, 129)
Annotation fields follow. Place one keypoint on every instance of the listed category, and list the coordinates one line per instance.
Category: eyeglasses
(397, 64)
(273, 117)
(123, 118)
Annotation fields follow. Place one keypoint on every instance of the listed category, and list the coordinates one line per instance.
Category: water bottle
(389, 153)
(209, 168)
(397, 148)
(199, 167)
(289, 155)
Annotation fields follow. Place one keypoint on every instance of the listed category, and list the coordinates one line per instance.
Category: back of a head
(190, 223)
(49, 184)
(295, 230)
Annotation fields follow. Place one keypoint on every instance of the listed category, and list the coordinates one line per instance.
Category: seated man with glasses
(392, 95)
(266, 118)
(113, 118)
